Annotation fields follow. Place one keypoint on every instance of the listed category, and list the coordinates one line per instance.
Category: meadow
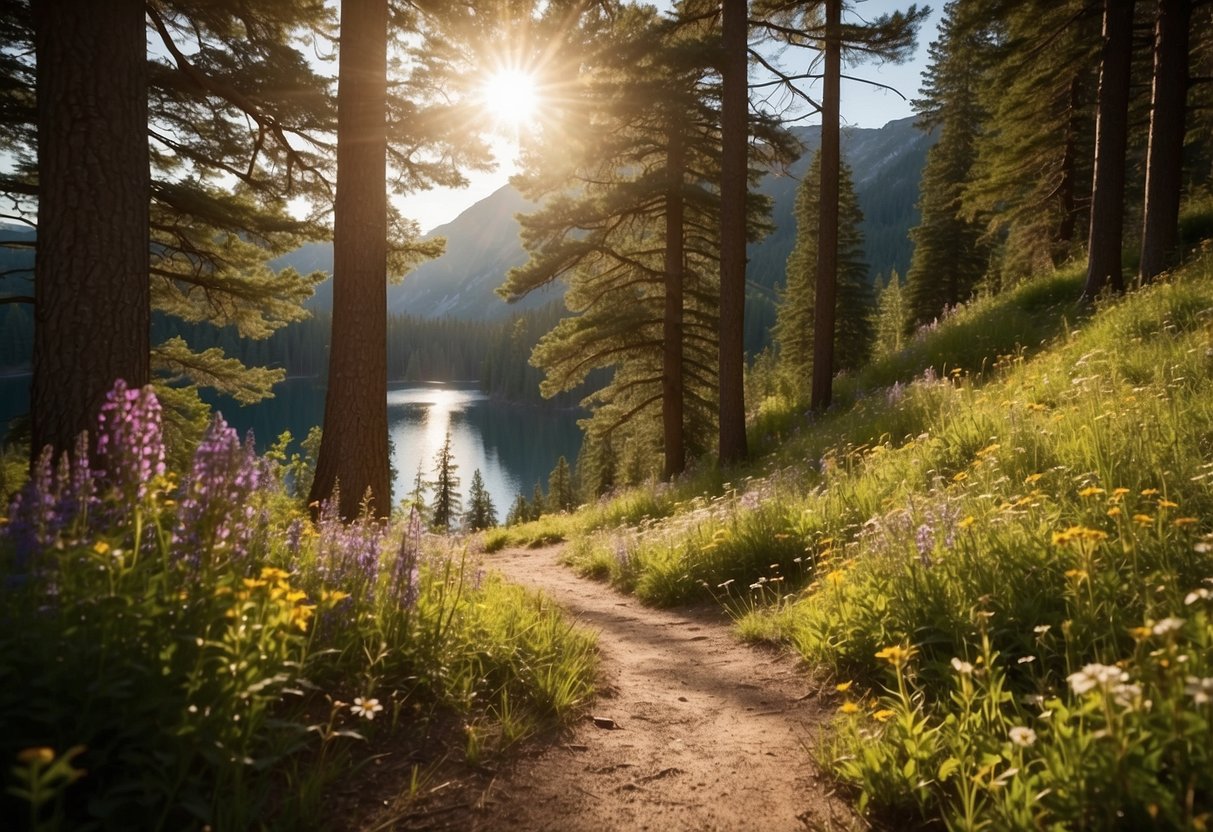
(997, 549)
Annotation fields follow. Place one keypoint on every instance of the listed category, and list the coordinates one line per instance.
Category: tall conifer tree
(794, 326)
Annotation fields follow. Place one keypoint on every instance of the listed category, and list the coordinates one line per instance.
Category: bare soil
(692, 730)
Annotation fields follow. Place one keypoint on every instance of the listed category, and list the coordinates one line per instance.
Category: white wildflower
(1168, 626)
(1096, 676)
(1023, 737)
(963, 668)
(1195, 595)
(1201, 690)
(366, 707)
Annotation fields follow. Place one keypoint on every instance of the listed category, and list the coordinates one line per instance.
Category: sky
(861, 104)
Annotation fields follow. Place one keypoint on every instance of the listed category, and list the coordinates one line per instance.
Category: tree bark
(1104, 267)
(93, 308)
(1164, 157)
(672, 381)
(824, 301)
(353, 455)
(733, 186)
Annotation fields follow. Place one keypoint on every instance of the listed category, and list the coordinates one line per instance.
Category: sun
(512, 97)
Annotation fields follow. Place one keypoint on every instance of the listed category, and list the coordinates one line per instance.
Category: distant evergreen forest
(495, 354)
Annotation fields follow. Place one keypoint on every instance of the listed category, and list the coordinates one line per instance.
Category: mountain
(483, 242)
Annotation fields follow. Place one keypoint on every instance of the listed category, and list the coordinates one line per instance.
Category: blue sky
(862, 106)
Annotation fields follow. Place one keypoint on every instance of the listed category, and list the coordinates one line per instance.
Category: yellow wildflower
(1090, 491)
(1076, 575)
(1149, 492)
(1119, 492)
(1114, 511)
(1184, 521)
(849, 707)
(272, 573)
(101, 547)
(1031, 479)
(960, 477)
(897, 655)
(843, 687)
(1167, 504)
(967, 521)
(1143, 519)
(883, 715)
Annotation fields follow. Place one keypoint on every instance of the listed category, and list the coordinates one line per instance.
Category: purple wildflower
(130, 441)
(924, 539)
(406, 571)
(217, 510)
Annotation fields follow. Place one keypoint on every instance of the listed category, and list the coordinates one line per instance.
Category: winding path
(708, 734)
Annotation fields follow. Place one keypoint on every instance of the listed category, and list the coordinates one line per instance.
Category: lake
(514, 446)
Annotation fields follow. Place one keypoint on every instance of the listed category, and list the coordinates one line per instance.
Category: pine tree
(481, 513)
(892, 317)
(93, 190)
(416, 497)
(1164, 160)
(520, 512)
(820, 25)
(561, 494)
(950, 255)
(354, 450)
(1111, 141)
(794, 326)
(1034, 149)
(538, 502)
(446, 504)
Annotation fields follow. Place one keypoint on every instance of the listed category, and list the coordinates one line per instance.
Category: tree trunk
(1164, 158)
(733, 186)
(92, 308)
(827, 216)
(354, 451)
(672, 382)
(1111, 136)
(1066, 190)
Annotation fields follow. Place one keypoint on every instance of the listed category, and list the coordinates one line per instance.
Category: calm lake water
(514, 446)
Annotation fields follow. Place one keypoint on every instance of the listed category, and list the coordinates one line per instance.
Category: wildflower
(962, 667)
(130, 440)
(843, 687)
(1090, 491)
(1149, 492)
(366, 708)
(1140, 633)
(849, 707)
(1201, 690)
(1114, 511)
(883, 715)
(1031, 479)
(1195, 595)
(1076, 574)
(1167, 504)
(1117, 493)
(1094, 676)
(1143, 519)
(897, 655)
(1041, 629)
(1168, 626)
(1079, 533)
(1023, 737)
(966, 522)
(101, 548)
(1184, 521)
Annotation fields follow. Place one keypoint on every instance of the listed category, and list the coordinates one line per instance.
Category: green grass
(1000, 543)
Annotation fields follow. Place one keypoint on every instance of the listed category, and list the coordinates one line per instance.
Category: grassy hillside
(1000, 546)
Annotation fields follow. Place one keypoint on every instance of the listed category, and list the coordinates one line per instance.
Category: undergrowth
(187, 650)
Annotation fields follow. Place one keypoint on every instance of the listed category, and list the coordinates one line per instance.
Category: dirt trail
(712, 735)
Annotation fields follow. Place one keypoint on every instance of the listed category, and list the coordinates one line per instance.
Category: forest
(940, 555)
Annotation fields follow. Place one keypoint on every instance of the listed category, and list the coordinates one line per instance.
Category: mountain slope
(483, 242)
